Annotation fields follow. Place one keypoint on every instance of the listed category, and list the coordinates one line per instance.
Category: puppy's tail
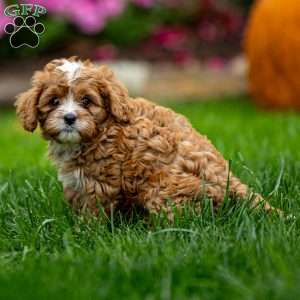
(239, 190)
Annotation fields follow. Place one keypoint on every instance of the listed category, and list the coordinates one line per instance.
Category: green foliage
(130, 28)
(58, 32)
(48, 252)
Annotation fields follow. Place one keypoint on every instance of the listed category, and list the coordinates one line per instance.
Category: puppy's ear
(26, 106)
(115, 95)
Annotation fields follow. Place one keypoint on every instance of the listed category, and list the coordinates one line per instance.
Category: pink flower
(183, 57)
(216, 63)
(92, 15)
(89, 15)
(105, 52)
(111, 8)
(170, 37)
(3, 19)
(232, 21)
(53, 6)
(208, 31)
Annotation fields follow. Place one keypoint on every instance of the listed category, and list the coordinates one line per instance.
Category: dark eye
(54, 101)
(85, 101)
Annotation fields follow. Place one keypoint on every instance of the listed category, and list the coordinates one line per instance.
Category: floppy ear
(26, 106)
(115, 95)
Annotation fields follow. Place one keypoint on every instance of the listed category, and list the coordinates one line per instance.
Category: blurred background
(165, 49)
(219, 63)
(162, 49)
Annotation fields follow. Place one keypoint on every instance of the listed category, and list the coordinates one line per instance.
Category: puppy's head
(71, 99)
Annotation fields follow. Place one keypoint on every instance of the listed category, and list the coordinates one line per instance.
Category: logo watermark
(24, 30)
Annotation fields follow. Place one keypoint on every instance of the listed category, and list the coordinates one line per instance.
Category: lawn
(46, 252)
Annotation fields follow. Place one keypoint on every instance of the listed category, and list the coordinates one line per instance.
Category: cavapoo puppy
(115, 151)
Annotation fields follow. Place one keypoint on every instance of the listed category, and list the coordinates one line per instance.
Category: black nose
(69, 118)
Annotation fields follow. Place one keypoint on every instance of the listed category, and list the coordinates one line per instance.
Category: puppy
(115, 151)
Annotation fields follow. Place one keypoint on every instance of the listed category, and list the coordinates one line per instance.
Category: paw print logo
(24, 32)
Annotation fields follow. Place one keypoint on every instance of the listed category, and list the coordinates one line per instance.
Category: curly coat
(129, 151)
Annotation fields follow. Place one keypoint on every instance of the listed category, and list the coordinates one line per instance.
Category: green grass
(46, 252)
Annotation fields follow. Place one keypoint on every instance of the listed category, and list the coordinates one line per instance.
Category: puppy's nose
(70, 118)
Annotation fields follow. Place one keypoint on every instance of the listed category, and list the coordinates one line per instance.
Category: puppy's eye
(85, 101)
(54, 101)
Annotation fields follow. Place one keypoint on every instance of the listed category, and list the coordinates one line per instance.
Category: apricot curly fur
(131, 152)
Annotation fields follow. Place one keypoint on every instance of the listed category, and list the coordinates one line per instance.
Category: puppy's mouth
(69, 134)
(69, 129)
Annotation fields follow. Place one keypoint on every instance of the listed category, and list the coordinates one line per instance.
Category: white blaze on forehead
(69, 105)
(71, 69)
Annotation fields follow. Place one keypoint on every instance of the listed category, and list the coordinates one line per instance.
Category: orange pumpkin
(272, 46)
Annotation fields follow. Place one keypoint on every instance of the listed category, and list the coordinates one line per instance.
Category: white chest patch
(62, 155)
(71, 69)
(74, 179)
